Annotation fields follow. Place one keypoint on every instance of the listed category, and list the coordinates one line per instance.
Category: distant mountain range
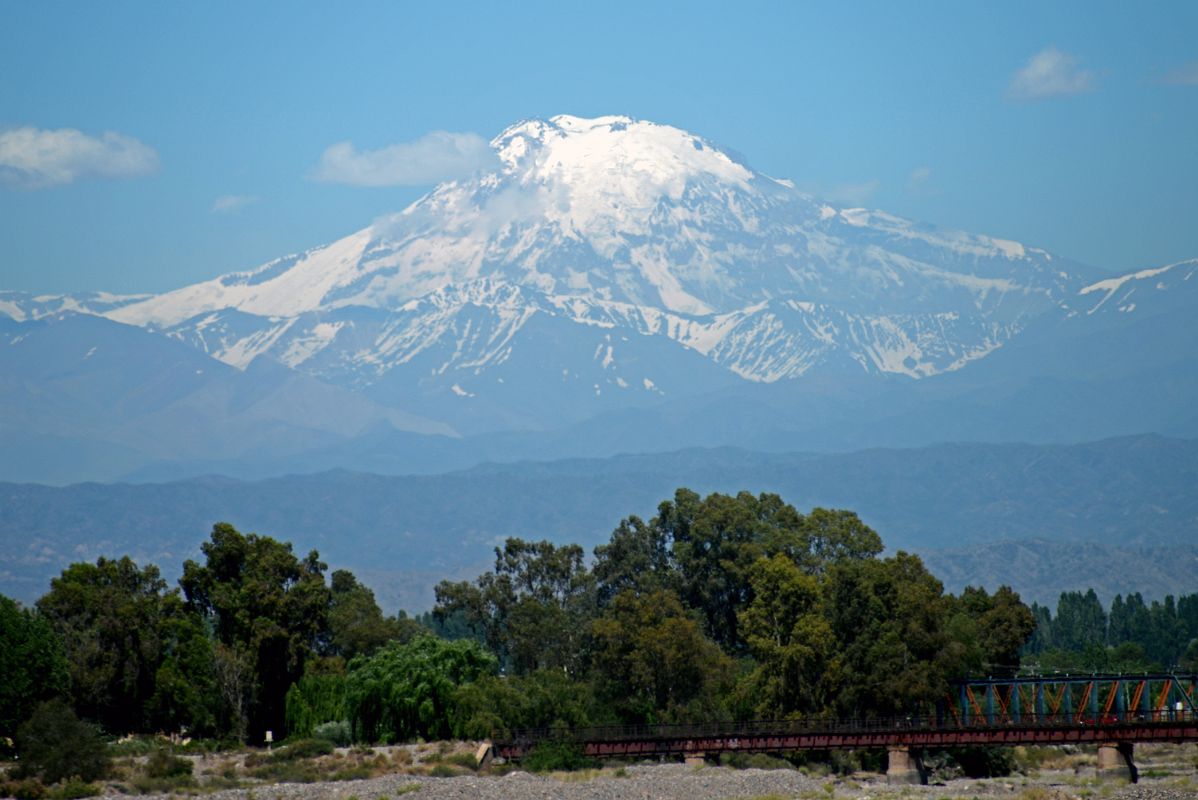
(1118, 515)
(611, 285)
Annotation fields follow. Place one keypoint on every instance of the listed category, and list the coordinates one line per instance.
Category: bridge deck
(789, 735)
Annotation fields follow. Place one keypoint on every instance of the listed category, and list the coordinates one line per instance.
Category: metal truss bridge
(1113, 711)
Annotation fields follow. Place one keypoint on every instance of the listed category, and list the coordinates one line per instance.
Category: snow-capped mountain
(634, 227)
(613, 263)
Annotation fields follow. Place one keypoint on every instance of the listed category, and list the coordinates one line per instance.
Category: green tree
(117, 622)
(185, 683)
(531, 610)
(998, 627)
(1080, 623)
(356, 625)
(888, 619)
(55, 745)
(318, 697)
(269, 611)
(637, 558)
(716, 540)
(652, 662)
(408, 690)
(32, 664)
(832, 536)
(790, 639)
(494, 706)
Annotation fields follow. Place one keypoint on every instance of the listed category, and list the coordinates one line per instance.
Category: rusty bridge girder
(1112, 709)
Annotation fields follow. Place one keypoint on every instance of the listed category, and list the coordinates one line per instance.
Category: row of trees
(733, 607)
(1132, 636)
(721, 607)
(215, 656)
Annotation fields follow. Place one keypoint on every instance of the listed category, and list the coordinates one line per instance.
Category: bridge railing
(853, 726)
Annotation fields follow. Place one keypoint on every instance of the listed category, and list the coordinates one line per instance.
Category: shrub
(466, 760)
(351, 774)
(754, 761)
(303, 748)
(75, 790)
(55, 744)
(28, 789)
(163, 764)
(336, 732)
(553, 756)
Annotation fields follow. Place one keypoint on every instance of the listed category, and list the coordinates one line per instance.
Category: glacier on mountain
(611, 251)
(632, 225)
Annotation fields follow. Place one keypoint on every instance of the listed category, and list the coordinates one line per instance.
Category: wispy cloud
(1185, 75)
(853, 194)
(435, 157)
(34, 158)
(842, 194)
(230, 203)
(919, 182)
(1050, 73)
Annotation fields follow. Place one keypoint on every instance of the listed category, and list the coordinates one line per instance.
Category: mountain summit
(613, 263)
(620, 210)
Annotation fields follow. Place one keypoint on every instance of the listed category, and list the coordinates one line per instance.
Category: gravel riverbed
(682, 782)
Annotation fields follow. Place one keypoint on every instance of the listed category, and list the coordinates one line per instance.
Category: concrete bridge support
(904, 765)
(1115, 761)
(695, 758)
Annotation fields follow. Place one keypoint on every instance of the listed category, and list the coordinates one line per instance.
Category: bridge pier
(1115, 761)
(904, 766)
(695, 758)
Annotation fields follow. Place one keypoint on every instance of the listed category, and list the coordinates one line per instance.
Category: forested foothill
(718, 608)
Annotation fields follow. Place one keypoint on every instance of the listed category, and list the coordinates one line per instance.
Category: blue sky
(172, 142)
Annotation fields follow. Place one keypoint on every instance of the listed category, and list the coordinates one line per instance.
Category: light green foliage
(652, 662)
(32, 664)
(269, 611)
(493, 706)
(317, 698)
(338, 732)
(407, 690)
(790, 639)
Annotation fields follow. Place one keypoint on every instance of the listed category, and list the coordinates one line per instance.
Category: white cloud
(33, 158)
(229, 203)
(1050, 73)
(842, 194)
(920, 184)
(1185, 75)
(852, 194)
(435, 157)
